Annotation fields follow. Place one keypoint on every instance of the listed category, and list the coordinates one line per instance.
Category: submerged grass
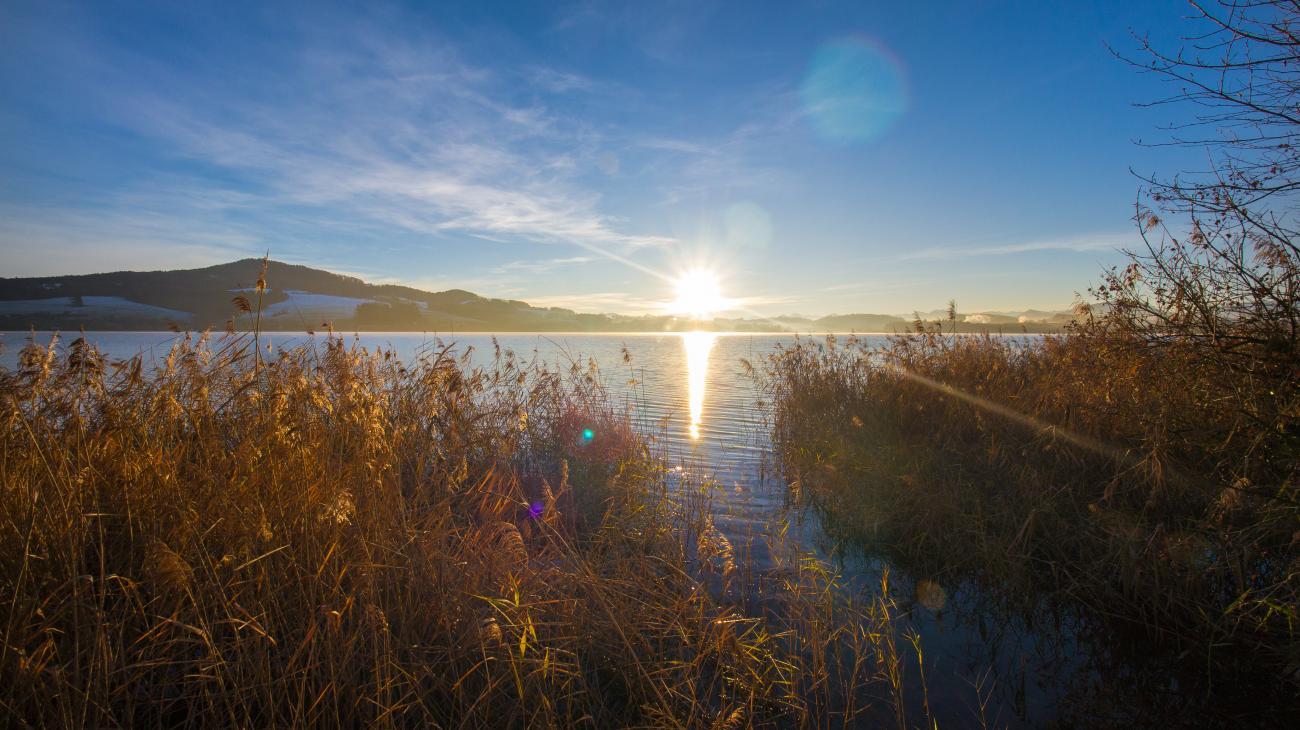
(1128, 476)
(327, 536)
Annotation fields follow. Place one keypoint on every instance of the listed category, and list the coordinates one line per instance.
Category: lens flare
(746, 225)
(853, 91)
(931, 595)
(697, 345)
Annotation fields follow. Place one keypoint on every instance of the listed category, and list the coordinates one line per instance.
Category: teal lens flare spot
(854, 91)
(588, 434)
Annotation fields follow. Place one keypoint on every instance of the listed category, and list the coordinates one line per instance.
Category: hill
(301, 298)
(297, 298)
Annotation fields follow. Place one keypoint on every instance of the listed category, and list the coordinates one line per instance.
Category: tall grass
(1127, 475)
(328, 536)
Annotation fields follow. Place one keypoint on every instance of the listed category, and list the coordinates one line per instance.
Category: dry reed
(328, 536)
(1131, 477)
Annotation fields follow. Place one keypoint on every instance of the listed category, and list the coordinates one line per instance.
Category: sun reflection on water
(698, 345)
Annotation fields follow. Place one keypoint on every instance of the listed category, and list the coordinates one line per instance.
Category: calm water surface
(692, 395)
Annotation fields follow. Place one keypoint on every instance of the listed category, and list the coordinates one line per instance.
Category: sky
(827, 157)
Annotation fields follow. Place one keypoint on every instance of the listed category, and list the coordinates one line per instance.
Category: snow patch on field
(98, 306)
(302, 303)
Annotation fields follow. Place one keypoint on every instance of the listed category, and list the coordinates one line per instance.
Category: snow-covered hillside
(100, 306)
(314, 306)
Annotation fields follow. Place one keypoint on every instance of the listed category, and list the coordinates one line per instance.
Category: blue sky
(830, 157)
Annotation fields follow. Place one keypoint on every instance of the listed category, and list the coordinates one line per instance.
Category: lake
(691, 395)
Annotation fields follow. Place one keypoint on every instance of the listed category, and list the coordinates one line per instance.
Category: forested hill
(296, 298)
(301, 298)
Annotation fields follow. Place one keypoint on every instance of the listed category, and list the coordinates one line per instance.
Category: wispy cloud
(744, 306)
(663, 31)
(396, 130)
(379, 135)
(1079, 244)
(876, 285)
(431, 187)
(53, 241)
(597, 302)
(669, 144)
(730, 159)
(557, 81)
(541, 267)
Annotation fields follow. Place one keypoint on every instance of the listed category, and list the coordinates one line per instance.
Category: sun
(698, 294)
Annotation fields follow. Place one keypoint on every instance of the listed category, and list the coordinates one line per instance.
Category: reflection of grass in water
(1084, 470)
(329, 536)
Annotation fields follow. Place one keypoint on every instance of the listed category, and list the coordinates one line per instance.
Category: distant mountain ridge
(301, 298)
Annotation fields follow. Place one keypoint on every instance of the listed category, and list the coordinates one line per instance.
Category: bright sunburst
(698, 294)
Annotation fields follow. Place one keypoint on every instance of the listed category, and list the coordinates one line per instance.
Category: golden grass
(331, 537)
(1130, 476)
